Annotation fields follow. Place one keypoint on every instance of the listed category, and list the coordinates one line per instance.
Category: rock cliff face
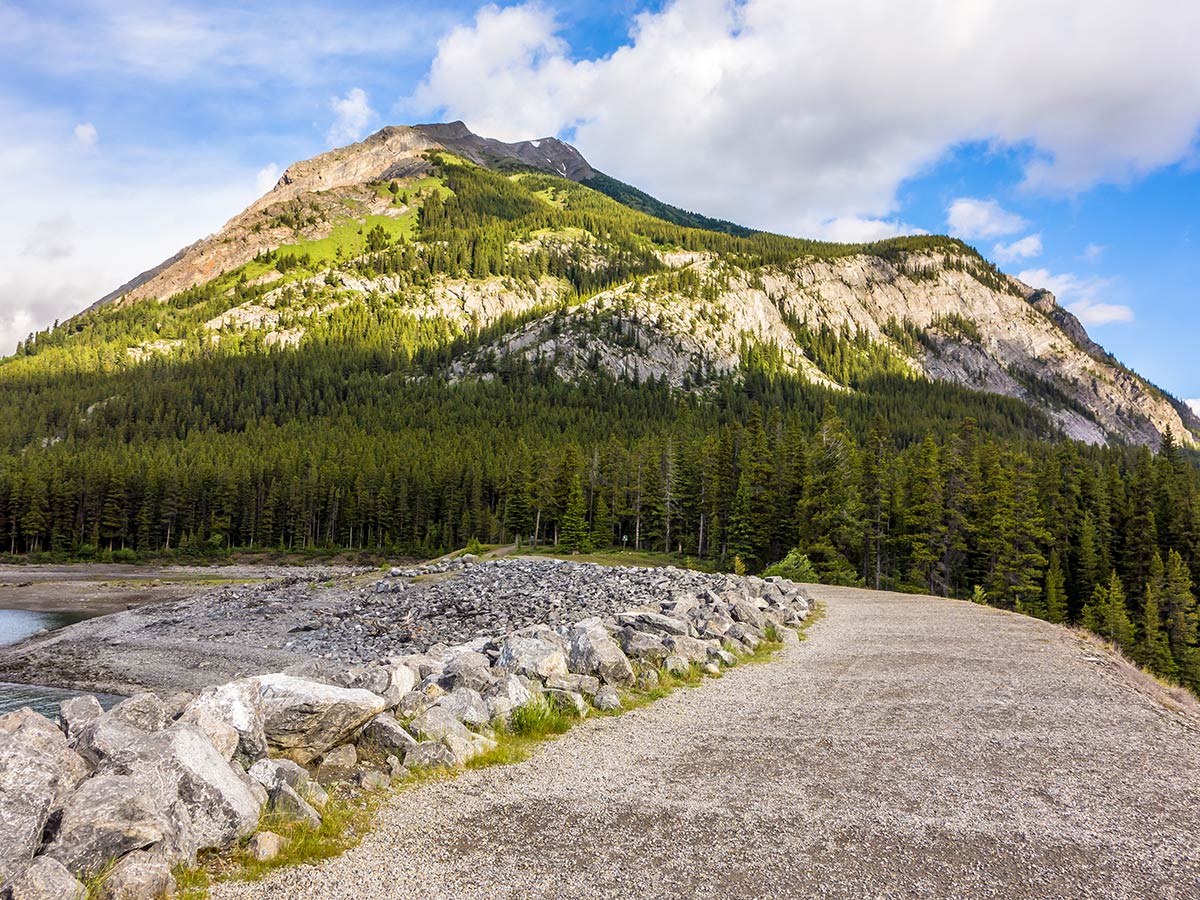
(930, 313)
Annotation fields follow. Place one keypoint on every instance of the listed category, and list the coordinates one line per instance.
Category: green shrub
(796, 566)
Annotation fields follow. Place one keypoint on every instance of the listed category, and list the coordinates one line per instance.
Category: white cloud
(1026, 248)
(1195, 405)
(1082, 296)
(61, 248)
(1092, 253)
(779, 113)
(86, 134)
(970, 219)
(266, 177)
(352, 116)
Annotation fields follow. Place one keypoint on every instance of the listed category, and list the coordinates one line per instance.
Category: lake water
(18, 624)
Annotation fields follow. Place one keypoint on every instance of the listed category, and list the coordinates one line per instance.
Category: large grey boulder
(428, 755)
(691, 649)
(438, 724)
(77, 712)
(100, 739)
(468, 670)
(221, 806)
(653, 621)
(641, 645)
(236, 705)
(141, 875)
(287, 803)
(303, 718)
(368, 678)
(385, 734)
(593, 652)
(505, 696)
(111, 815)
(272, 772)
(466, 705)
(145, 712)
(46, 879)
(537, 657)
(38, 771)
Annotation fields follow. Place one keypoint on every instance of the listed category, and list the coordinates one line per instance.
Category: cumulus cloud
(61, 248)
(352, 115)
(87, 135)
(782, 114)
(266, 177)
(1082, 296)
(1026, 248)
(969, 218)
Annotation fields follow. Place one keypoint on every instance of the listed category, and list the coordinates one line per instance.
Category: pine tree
(1055, 599)
(574, 535)
(1180, 616)
(1154, 652)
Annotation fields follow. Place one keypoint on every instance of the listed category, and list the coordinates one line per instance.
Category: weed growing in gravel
(538, 719)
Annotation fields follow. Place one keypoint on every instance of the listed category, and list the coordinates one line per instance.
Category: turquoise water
(15, 626)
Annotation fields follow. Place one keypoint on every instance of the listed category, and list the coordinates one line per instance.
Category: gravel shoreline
(911, 747)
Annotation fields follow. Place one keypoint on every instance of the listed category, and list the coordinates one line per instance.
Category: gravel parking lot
(910, 747)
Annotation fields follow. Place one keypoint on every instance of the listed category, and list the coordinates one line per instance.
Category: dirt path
(911, 747)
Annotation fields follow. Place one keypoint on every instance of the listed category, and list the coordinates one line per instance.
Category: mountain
(430, 339)
(930, 308)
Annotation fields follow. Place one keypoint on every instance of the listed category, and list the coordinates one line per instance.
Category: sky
(1061, 139)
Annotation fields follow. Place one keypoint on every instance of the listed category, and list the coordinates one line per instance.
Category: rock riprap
(459, 647)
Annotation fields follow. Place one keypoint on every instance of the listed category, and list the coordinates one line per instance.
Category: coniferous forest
(354, 439)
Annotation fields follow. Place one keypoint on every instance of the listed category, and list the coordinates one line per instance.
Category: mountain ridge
(937, 309)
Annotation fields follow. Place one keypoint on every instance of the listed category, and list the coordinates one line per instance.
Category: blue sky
(1059, 138)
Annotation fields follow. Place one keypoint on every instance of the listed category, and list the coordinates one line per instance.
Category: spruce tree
(574, 534)
(1154, 651)
(1055, 601)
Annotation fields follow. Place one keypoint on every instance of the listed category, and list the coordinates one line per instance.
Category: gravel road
(910, 747)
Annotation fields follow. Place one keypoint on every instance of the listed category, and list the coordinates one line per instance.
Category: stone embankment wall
(134, 791)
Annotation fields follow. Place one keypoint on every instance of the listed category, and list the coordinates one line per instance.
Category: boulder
(402, 679)
(435, 724)
(413, 704)
(607, 699)
(647, 680)
(46, 879)
(221, 806)
(304, 719)
(466, 705)
(141, 875)
(593, 652)
(338, 765)
(145, 712)
(235, 705)
(467, 671)
(653, 621)
(111, 815)
(368, 678)
(386, 735)
(38, 772)
(691, 649)
(265, 846)
(373, 780)
(101, 738)
(428, 755)
(286, 803)
(535, 657)
(580, 684)
(270, 772)
(677, 665)
(77, 712)
(569, 702)
(505, 696)
(641, 645)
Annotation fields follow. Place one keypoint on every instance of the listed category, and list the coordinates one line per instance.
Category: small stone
(607, 699)
(677, 665)
(710, 668)
(569, 702)
(265, 846)
(288, 804)
(372, 780)
(647, 680)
